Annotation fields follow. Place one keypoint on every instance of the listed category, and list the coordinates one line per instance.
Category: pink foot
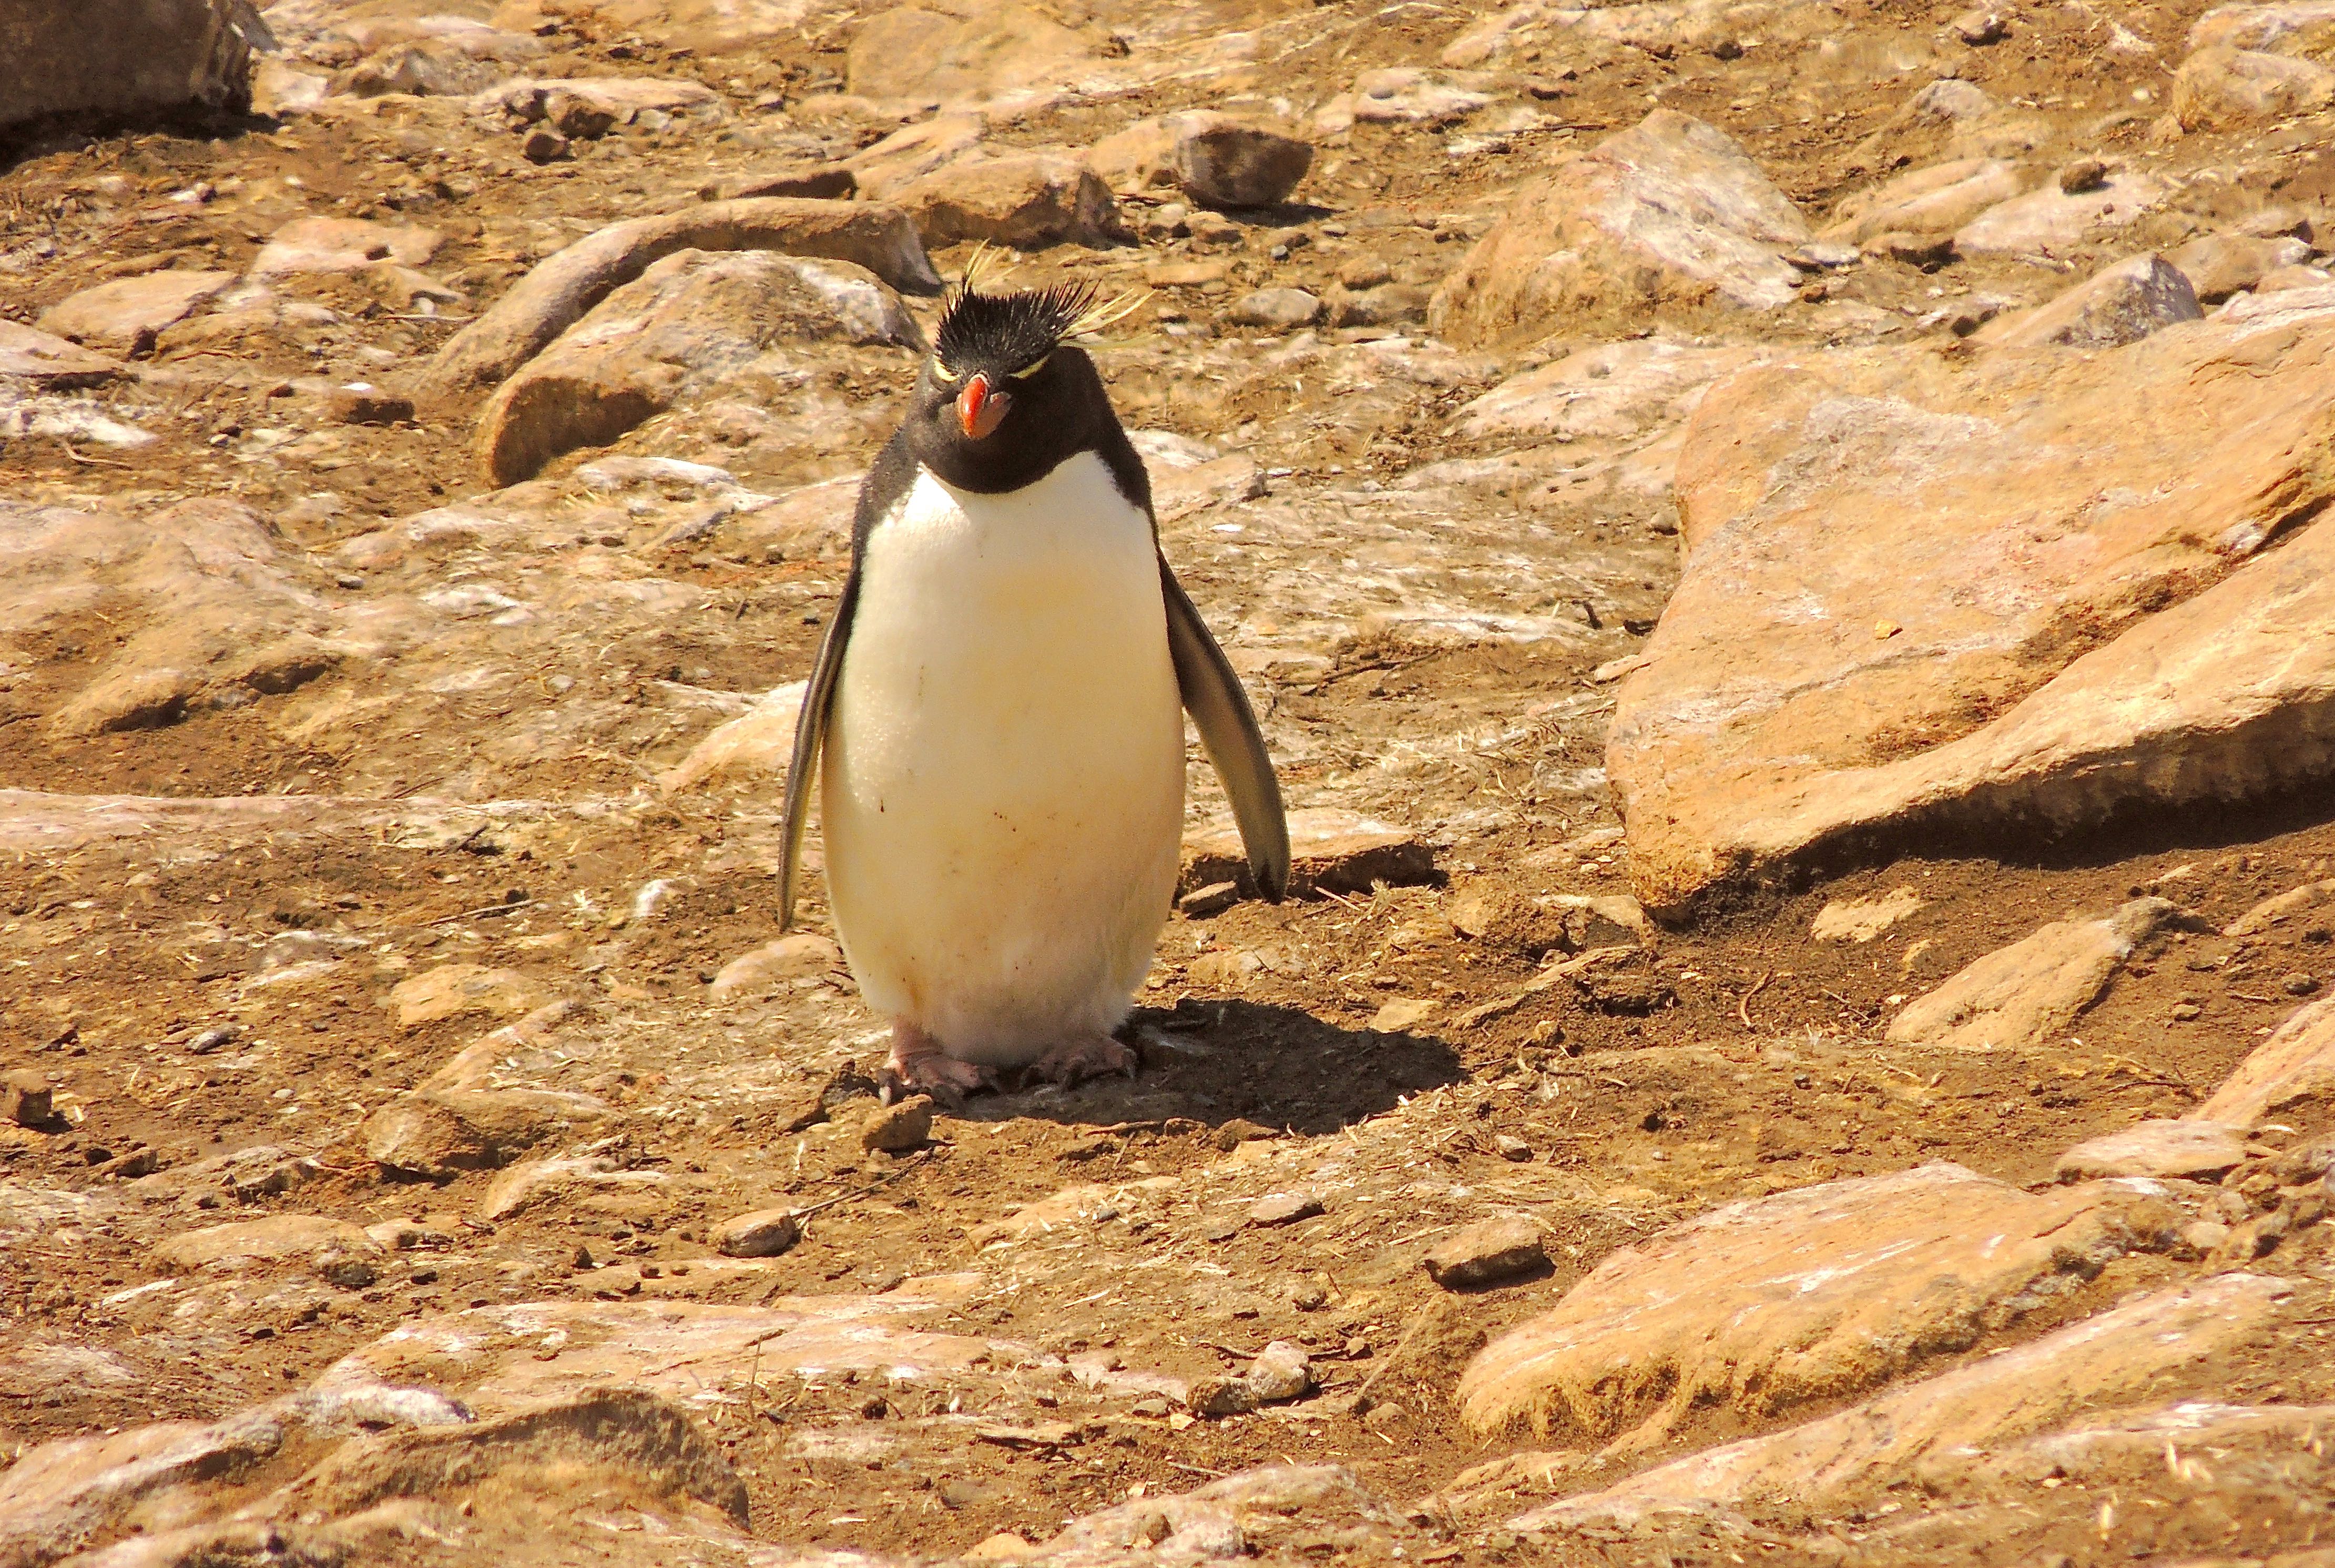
(919, 1066)
(1090, 1055)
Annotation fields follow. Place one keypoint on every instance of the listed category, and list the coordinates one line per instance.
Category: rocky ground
(1778, 550)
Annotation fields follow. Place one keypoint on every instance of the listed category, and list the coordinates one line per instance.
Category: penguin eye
(943, 374)
(1032, 368)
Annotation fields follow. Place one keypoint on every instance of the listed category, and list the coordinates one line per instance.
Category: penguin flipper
(1219, 706)
(811, 733)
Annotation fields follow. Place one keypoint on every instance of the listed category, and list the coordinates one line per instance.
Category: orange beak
(979, 410)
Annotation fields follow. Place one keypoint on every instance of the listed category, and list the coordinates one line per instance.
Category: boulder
(1771, 1302)
(1938, 199)
(158, 58)
(2294, 1067)
(1214, 158)
(694, 322)
(2116, 305)
(1668, 211)
(1886, 649)
(2221, 264)
(2096, 1364)
(129, 311)
(1028, 200)
(2223, 89)
(562, 288)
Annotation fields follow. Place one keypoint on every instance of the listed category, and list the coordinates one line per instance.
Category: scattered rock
(1765, 1303)
(1219, 1397)
(279, 1238)
(127, 311)
(562, 289)
(2116, 305)
(363, 403)
(328, 245)
(2031, 992)
(2185, 1150)
(1672, 210)
(1863, 919)
(453, 989)
(763, 1234)
(1486, 1253)
(1979, 28)
(543, 145)
(1275, 309)
(1402, 1013)
(2277, 909)
(2224, 89)
(897, 1129)
(1280, 1373)
(1203, 903)
(530, 1183)
(691, 322)
(1028, 200)
(1938, 199)
(49, 361)
(798, 956)
(2051, 222)
(25, 1098)
(2293, 1067)
(2082, 175)
(1330, 850)
(1283, 1209)
(1214, 158)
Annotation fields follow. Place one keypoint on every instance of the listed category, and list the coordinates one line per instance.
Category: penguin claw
(919, 1066)
(1090, 1057)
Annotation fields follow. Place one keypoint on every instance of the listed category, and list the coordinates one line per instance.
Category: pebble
(2298, 983)
(1284, 1208)
(543, 146)
(1276, 309)
(2202, 1236)
(1280, 1373)
(1510, 1147)
(1213, 899)
(1486, 1252)
(896, 1129)
(24, 1098)
(1238, 1131)
(2082, 175)
(763, 1234)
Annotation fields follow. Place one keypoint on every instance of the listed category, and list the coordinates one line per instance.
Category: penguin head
(1004, 397)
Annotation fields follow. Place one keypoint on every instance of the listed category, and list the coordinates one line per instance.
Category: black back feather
(1009, 330)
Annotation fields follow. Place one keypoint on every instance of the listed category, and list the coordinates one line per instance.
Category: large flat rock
(2294, 1067)
(1925, 603)
(1771, 1302)
(2009, 1395)
(2029, 992)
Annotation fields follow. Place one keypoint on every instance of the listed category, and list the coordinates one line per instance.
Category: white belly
(1003, 785)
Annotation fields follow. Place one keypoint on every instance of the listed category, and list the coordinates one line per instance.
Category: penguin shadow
(1220, 1062)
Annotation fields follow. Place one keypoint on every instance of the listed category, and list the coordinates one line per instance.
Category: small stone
(1283, 1209)
(2298, 983)
(2185, 1012)
(1238, 1131)
(1213, 899)
(1155, 1408)
(1219, 1397)
(1509, 1146)
(24, 1099)
(1485, 1253)
(1280, 1373)
(1276, 309)
(896, 1129)
(1979, 28)
(543, 146)
(2082, 175)
(363, 403)
(763, 1234)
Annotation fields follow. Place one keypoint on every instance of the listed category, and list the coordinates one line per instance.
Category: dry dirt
(1735, 1058)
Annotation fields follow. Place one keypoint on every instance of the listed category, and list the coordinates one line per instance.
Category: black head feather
(1009, 330)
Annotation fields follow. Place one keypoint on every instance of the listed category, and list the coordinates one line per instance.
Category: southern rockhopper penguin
(994, 717)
